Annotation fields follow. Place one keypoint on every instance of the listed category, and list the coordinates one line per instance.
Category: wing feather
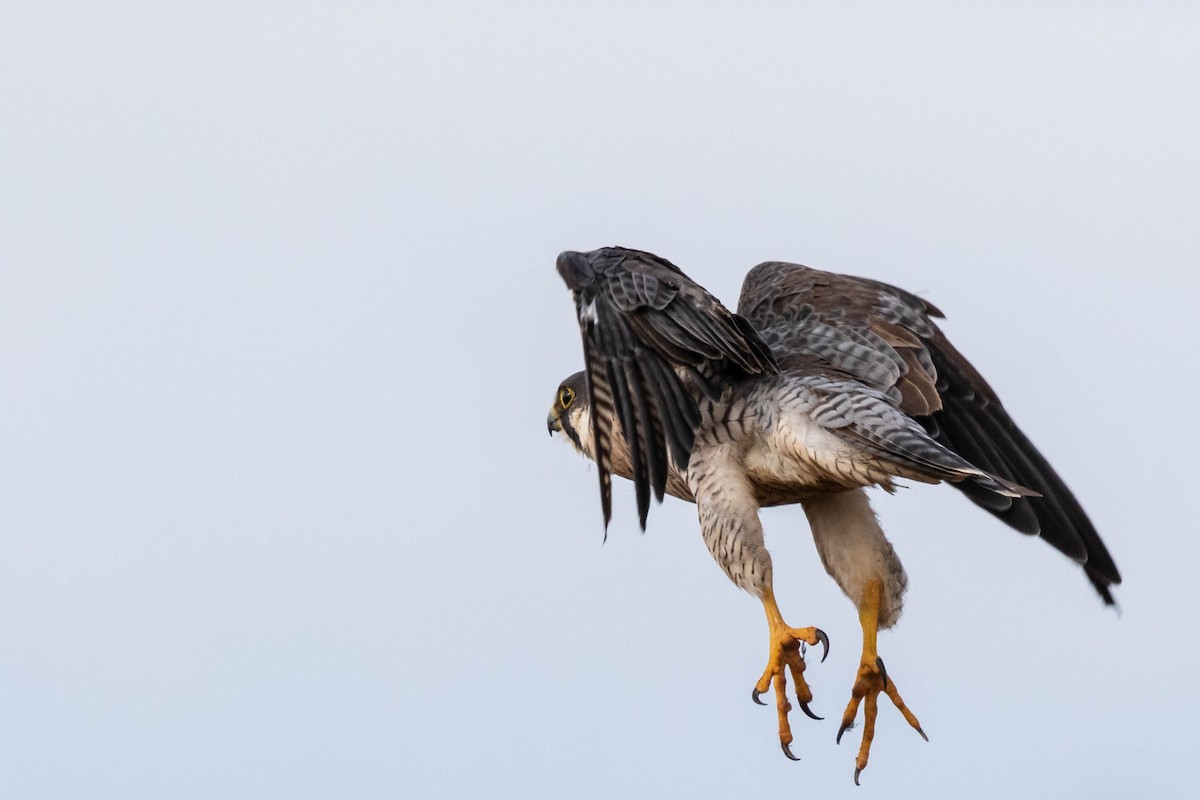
(644, 325)
(803, 313)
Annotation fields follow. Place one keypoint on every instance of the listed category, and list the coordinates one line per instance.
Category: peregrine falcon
(819, 386)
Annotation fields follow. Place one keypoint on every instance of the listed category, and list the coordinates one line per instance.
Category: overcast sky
(280, 326)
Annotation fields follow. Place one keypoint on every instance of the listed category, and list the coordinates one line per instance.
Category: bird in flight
(819, 386)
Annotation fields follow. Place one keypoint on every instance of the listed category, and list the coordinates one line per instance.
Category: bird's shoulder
(877, 333)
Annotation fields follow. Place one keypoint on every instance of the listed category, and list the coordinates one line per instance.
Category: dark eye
(566, 396)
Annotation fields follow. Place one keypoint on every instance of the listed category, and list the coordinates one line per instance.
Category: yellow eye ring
(566, 396)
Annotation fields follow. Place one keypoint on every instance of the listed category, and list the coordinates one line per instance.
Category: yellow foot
(786, 651)
(872, 679)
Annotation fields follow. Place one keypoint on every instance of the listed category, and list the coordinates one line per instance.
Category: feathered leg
(862, 561)
(733, 534)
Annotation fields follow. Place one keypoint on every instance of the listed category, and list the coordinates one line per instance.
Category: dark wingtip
(574, 268)
(1101, 584)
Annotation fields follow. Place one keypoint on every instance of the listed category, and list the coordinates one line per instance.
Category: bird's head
(570, 413)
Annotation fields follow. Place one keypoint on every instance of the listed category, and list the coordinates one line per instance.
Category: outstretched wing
(886, 338)
(643, 322)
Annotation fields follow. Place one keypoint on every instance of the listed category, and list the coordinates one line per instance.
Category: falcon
(820, 386)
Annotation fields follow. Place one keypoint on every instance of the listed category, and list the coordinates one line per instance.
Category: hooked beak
(557, 421)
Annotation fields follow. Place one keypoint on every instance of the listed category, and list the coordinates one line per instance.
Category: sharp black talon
(804, 707)
(754, 697)
(857, 772)
(923, 736)
(787, 751)
(842, 730)
(824, 640)
(882, 670)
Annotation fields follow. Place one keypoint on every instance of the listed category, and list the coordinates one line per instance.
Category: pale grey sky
(279, 328)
